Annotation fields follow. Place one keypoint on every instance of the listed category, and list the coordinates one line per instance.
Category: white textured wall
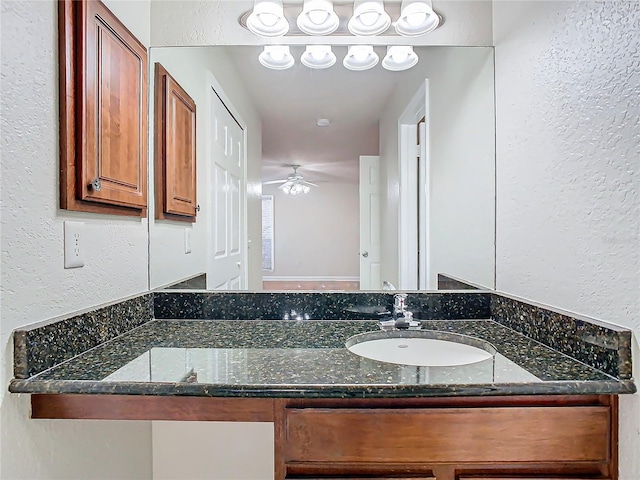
(568, 166)
(35, 286)
(191, 67)
(215, 22)
(461, 163)
(317, 234)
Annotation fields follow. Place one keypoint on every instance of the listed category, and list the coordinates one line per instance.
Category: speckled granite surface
(314, 305)
(307, 358)
(602, 346)
(43, 345)
(447, 282)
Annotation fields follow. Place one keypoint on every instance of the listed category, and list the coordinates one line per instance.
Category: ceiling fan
(294, 183)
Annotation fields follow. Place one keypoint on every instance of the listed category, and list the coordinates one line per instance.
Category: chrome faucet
(402, 318)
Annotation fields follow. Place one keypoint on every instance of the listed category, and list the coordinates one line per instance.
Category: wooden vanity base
(456, 438)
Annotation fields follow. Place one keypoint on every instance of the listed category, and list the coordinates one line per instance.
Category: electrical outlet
(73, 244)
(187, 240)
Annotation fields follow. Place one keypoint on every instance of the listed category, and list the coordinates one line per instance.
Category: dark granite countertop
(274, 358)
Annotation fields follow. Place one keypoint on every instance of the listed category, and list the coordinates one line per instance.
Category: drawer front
(459, 435)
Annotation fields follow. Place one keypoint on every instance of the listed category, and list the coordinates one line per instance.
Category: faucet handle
(399, 301)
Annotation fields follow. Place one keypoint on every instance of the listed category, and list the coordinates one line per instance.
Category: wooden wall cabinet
(175, 150)
(103, 112)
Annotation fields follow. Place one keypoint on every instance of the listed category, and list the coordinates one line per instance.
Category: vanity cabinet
(458, 439)
(550, 437)
(103, 112)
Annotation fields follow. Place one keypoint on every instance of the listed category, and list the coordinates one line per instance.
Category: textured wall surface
(191, 67)
(207, 22)
(568, 166)
(35, 286)
(317, 234)
(462, 162)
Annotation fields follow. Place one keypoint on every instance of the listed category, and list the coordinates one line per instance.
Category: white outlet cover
(73, 244)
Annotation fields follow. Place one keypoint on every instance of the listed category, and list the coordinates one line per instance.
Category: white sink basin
(416, 350)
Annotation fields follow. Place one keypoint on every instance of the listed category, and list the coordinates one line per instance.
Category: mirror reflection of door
(370, 278)
(227, 174)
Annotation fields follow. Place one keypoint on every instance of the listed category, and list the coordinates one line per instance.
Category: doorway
(413, 218)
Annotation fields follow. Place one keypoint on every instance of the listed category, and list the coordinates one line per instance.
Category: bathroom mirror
(433, 210)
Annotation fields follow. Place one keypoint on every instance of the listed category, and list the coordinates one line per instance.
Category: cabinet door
(113, 66)
(175, 150)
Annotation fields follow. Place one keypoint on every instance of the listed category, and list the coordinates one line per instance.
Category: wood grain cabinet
(175, 149)
(536, 437)
(103, 112)
(521, 439)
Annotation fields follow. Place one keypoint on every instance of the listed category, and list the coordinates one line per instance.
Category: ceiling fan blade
(273, 182)
(285, 184)
(304, 182)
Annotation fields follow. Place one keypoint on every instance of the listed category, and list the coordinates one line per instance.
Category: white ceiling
(291, 101)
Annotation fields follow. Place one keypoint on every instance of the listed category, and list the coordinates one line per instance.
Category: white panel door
(370, 223)
(226, 271)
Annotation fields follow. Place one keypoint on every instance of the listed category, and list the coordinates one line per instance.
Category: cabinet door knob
(95, 184)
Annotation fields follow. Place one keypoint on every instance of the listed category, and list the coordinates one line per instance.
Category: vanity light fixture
(399, 58)
(267, 19)
(318, 18)
(318, 57)
(416, 18)
(276, 57)
(360, 57)
(369, 18)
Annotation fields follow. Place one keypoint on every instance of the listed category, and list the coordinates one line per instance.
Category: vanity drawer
(460, 435)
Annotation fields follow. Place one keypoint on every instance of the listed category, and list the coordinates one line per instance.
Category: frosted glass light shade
(369, 18)
(360, 57)
(318, 18)
(416, 18)
(318, 57)
(295, 188)
(276, 57)
(399, 58)
(267, 19)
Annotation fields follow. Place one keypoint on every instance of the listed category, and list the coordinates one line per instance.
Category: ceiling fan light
(276, 57)
(369, 18)
(360, 57)
(318, 18)
(267, 19)
(416, 18)
(318, 56)
(399, 58)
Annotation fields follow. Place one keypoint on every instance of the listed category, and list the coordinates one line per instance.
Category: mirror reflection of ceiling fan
(294, 183)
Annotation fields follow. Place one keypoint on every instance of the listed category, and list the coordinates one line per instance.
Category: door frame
(215, 88)
(408, 226)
